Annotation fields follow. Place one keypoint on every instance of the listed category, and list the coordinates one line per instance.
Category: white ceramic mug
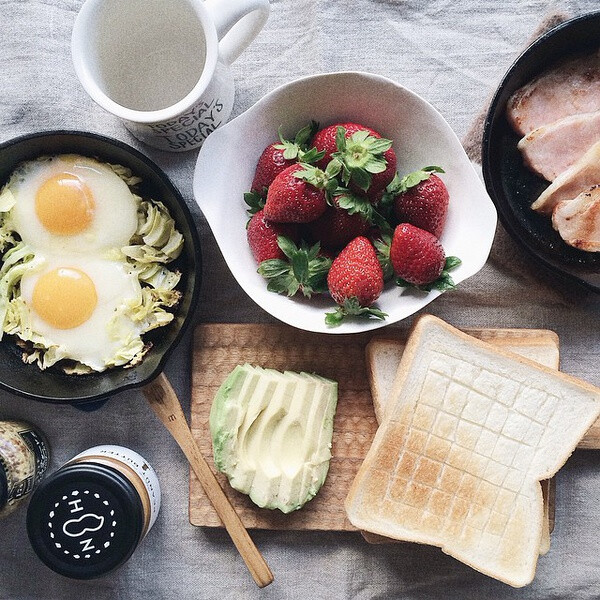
(162, 66)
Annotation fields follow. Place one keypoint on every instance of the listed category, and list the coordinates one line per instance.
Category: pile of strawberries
(329, 213)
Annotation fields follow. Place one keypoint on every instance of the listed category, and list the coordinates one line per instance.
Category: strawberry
(297, 195)
(355, 281)
(419, 259)
(337, 226)
(262, 237)
(421, 198)
(270, 163)
(280, 155)
(367, 161)
(301, 269)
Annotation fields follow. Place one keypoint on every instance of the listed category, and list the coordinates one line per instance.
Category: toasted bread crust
(470, 432)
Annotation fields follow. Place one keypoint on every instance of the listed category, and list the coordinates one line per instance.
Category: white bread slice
(469, 433)
(383, 357)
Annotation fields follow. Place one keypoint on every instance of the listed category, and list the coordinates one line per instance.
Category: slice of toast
(383, 357)
(469, 432)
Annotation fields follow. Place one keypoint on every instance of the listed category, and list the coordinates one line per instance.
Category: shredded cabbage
(155, 243)
(156, 239)
(125, 174)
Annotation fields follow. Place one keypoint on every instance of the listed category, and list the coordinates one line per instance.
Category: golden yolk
(65, 297)
(64, 204)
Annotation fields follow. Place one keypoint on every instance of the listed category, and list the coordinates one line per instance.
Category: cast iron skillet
(510, 184)
(52, 385)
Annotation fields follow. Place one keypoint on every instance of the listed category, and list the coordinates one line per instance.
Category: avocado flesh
(272, 433)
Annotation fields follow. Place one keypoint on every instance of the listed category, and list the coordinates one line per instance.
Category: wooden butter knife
(162, 398)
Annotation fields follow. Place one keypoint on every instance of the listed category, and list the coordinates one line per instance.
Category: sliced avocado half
(272, 432)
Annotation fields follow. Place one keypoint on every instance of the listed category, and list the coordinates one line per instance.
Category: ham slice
(578, 220)
(551, 149)
(581, 176)
(572, 87)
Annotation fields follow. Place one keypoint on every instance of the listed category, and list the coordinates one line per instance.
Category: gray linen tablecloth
(451, 53)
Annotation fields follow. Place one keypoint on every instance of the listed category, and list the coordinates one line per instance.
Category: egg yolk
(64, 204)
(65, 297)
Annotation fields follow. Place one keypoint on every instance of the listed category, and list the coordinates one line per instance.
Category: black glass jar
(24, 458)
(89, 517)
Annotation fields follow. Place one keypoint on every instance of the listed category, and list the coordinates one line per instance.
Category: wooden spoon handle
(163, 400)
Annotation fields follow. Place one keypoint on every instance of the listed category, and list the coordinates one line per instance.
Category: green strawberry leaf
(362, 178)
(340, 139)
(352, 307)
(317, 278)
(331, 187)
(359, 136)
(299, 263)
(287, 246)
(392, 189)
(382, 249)
(452, 262)
(380, 221)
(313, 175)
(335, 318)
(311, 156)
(334, 167)
(361, 155)
(443, 283)
(414, 178)
(305, 135)
(313, 251)
(403, 283)
(376, 165)
(345, 173)
(304, 271)
(290, 150)
(299, 148)
(379, 145)
(255, 201)
(273, 267)
(354, 204)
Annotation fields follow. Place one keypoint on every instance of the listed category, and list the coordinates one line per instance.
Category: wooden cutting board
(218, 348)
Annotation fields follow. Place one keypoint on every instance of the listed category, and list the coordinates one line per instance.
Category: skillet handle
(91, 406)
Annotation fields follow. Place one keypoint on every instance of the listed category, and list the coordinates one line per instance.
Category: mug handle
(237, 22)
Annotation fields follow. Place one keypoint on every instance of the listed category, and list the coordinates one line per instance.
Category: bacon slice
(572, 87)
(551, 149)
(581, 176)
(578, 220)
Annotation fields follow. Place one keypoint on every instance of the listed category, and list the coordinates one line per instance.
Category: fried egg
(76, 303)
(71, 204)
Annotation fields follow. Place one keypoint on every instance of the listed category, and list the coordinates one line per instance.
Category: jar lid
(3, 486)
(85, 520)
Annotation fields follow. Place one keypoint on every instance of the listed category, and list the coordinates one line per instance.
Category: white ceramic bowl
(421, 137)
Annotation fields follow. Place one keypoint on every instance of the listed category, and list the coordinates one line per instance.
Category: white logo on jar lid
(87, 523)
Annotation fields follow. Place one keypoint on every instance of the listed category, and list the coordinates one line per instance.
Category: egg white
(93, 343)
(115, 215)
